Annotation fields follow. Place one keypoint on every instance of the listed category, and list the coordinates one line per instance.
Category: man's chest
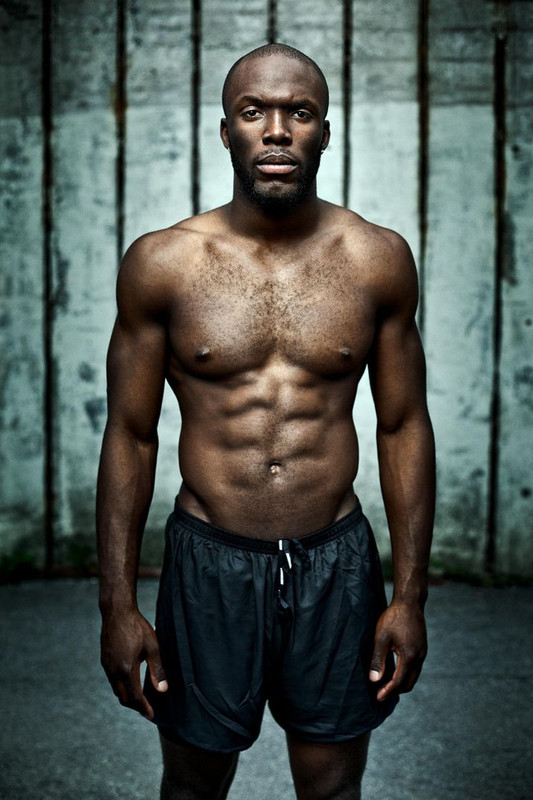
(234, 318)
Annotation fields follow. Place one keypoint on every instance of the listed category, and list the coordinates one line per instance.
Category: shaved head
(271, 50)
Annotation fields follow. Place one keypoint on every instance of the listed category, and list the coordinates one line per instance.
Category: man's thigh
(328, 771)
(190, 773)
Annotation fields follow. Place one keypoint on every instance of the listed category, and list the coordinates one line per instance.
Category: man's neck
(248, 219)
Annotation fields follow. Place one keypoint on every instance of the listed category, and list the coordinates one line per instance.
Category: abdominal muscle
(271, 464)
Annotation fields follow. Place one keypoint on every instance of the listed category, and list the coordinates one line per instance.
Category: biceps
(398, 374)
(136, 365)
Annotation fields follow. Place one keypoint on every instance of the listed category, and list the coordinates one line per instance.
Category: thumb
(377, 662)
(157, 673)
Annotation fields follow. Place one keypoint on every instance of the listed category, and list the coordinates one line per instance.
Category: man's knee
(190, 773)
(328, 771)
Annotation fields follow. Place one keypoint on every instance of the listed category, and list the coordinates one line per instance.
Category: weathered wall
(109, 127)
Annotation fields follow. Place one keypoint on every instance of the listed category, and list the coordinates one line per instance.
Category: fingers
(127, 687)
(405, 675)
(400, 630)
(155, 668)
(382, 648)
(127, 641)
(395, 683)
(379, 658)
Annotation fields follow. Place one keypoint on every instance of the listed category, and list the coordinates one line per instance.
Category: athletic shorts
(241, 621)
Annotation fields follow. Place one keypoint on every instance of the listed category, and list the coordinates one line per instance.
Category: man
(262, 315)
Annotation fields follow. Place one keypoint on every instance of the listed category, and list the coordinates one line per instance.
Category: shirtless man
(262, 315)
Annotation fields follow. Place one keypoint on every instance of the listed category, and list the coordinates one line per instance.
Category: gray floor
(465, 732)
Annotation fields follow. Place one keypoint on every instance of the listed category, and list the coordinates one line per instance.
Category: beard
(279, 199)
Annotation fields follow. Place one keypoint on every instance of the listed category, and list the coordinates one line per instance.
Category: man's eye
(301, 114)
(250, 113)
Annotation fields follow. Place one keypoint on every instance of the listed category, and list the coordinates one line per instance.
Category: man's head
(266, 51)
(275, 100)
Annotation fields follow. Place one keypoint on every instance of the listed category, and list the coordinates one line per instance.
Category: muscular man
(262, 315)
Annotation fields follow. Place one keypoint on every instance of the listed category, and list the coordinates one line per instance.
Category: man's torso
(266, 349)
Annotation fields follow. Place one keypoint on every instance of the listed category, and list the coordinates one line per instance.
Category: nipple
(274, 467)
(345, 352)
(202, 353)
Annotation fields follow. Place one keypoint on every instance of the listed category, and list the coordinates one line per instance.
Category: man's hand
(402, 629)
(127, 640)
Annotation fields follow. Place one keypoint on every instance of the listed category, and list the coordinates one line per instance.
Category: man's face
(275, 130)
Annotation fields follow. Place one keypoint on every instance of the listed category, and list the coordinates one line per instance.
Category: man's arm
(406, 455)
(135, 372)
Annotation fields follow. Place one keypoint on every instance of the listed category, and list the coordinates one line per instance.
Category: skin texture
(262, 316)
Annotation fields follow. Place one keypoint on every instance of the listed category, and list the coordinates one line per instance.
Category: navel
(274, 467)
(202, 353)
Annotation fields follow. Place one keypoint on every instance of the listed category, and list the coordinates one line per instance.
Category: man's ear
(326, 134)
(224, 132)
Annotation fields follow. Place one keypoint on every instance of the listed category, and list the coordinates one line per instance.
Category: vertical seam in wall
(423, 151)
(196, 75)
(347, 16)
(121, 101)
(48, 301)
(500, 134)
(272, 31)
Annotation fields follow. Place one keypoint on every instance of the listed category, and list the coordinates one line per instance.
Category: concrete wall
(109, 127)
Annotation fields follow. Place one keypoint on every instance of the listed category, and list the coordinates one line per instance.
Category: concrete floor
(465, 733)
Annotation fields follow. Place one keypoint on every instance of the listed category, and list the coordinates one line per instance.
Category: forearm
(125, 488)
(407, 474)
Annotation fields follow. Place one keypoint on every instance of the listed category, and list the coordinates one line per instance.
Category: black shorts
(243, 621)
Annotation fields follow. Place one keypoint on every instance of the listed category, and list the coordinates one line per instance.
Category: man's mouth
(276, 164)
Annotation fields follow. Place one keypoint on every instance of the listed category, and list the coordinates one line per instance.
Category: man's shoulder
(367, 238)
(168, 251)
(178, 240)
(379, 257)
(371, 244)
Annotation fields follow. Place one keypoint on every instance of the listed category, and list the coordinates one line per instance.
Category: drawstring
(285, 567)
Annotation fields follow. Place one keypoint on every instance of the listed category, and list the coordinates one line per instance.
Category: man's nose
(277, 128)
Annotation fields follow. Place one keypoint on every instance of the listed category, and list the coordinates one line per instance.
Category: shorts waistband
(307, 541)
